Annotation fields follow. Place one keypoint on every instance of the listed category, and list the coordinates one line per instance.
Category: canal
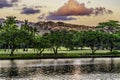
(61, 69)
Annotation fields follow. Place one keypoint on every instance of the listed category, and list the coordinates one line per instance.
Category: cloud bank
(7, 3)
(29, 11)
(14, 1)
(74, 8)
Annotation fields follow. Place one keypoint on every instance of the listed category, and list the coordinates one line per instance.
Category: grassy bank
(60, 55)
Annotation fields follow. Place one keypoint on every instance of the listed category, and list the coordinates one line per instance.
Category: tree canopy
(15, 37)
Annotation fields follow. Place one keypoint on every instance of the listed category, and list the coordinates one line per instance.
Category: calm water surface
(61, 69)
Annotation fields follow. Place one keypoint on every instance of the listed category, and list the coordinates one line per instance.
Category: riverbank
(60, 55)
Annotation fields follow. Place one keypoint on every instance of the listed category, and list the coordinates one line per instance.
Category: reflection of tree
(55, 66)
(115, 66)
(92, 65)
(12, 70)
(57, 69)
(2, 72)
(61, 68)
(112, 65)
(77, 68)
(88, 68)
(98, 67)
(105, 66)
(108, 67)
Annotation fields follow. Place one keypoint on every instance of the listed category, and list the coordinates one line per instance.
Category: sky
(82, 12)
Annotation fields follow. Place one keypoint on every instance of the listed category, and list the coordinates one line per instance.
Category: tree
(9, 38)
(111, 40)
(29, 29)
(67, 41)
(92, 39)
(12, 36)
(2, 42)
(26, 38)
(109, 27)
(15, 38)
(40, 43)
(9, 26)
(56, 39)
(77, 39)
(1, 26)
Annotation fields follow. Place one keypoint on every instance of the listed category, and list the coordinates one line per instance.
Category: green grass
(62, 54)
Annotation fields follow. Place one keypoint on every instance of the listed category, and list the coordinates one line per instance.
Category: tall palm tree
(25, 26)
(30, 30)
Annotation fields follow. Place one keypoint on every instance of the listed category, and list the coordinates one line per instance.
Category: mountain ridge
(47, 26)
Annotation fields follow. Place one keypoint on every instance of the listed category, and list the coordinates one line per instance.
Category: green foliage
(92, 39)
(14, 37)
(109, 27)
(110, 40)
(56, 39)
(40, 43)
(11, 36)
(68, 39)
(110, 23)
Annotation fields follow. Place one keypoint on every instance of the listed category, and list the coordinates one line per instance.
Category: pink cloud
(74, 8)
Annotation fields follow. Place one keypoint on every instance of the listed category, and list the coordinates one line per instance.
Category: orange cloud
(73, 8)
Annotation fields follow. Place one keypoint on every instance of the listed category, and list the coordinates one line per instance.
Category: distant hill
(51, 26)
(48, 26)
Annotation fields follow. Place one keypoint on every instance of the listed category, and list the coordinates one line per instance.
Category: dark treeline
(12, 37)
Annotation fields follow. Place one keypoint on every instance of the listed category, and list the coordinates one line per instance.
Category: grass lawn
(62, 53)
(20, 51)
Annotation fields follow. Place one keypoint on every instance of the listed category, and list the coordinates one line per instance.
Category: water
(61, 69)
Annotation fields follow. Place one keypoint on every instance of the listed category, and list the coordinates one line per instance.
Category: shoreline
(90, 56)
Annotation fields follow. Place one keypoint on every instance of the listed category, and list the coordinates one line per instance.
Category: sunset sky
(84, 12)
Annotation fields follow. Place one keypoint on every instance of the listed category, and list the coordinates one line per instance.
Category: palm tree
(30, 30)
(10, 20)
(25, 26)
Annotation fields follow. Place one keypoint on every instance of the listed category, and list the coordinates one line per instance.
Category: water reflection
(12, 70)
(67, 69)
